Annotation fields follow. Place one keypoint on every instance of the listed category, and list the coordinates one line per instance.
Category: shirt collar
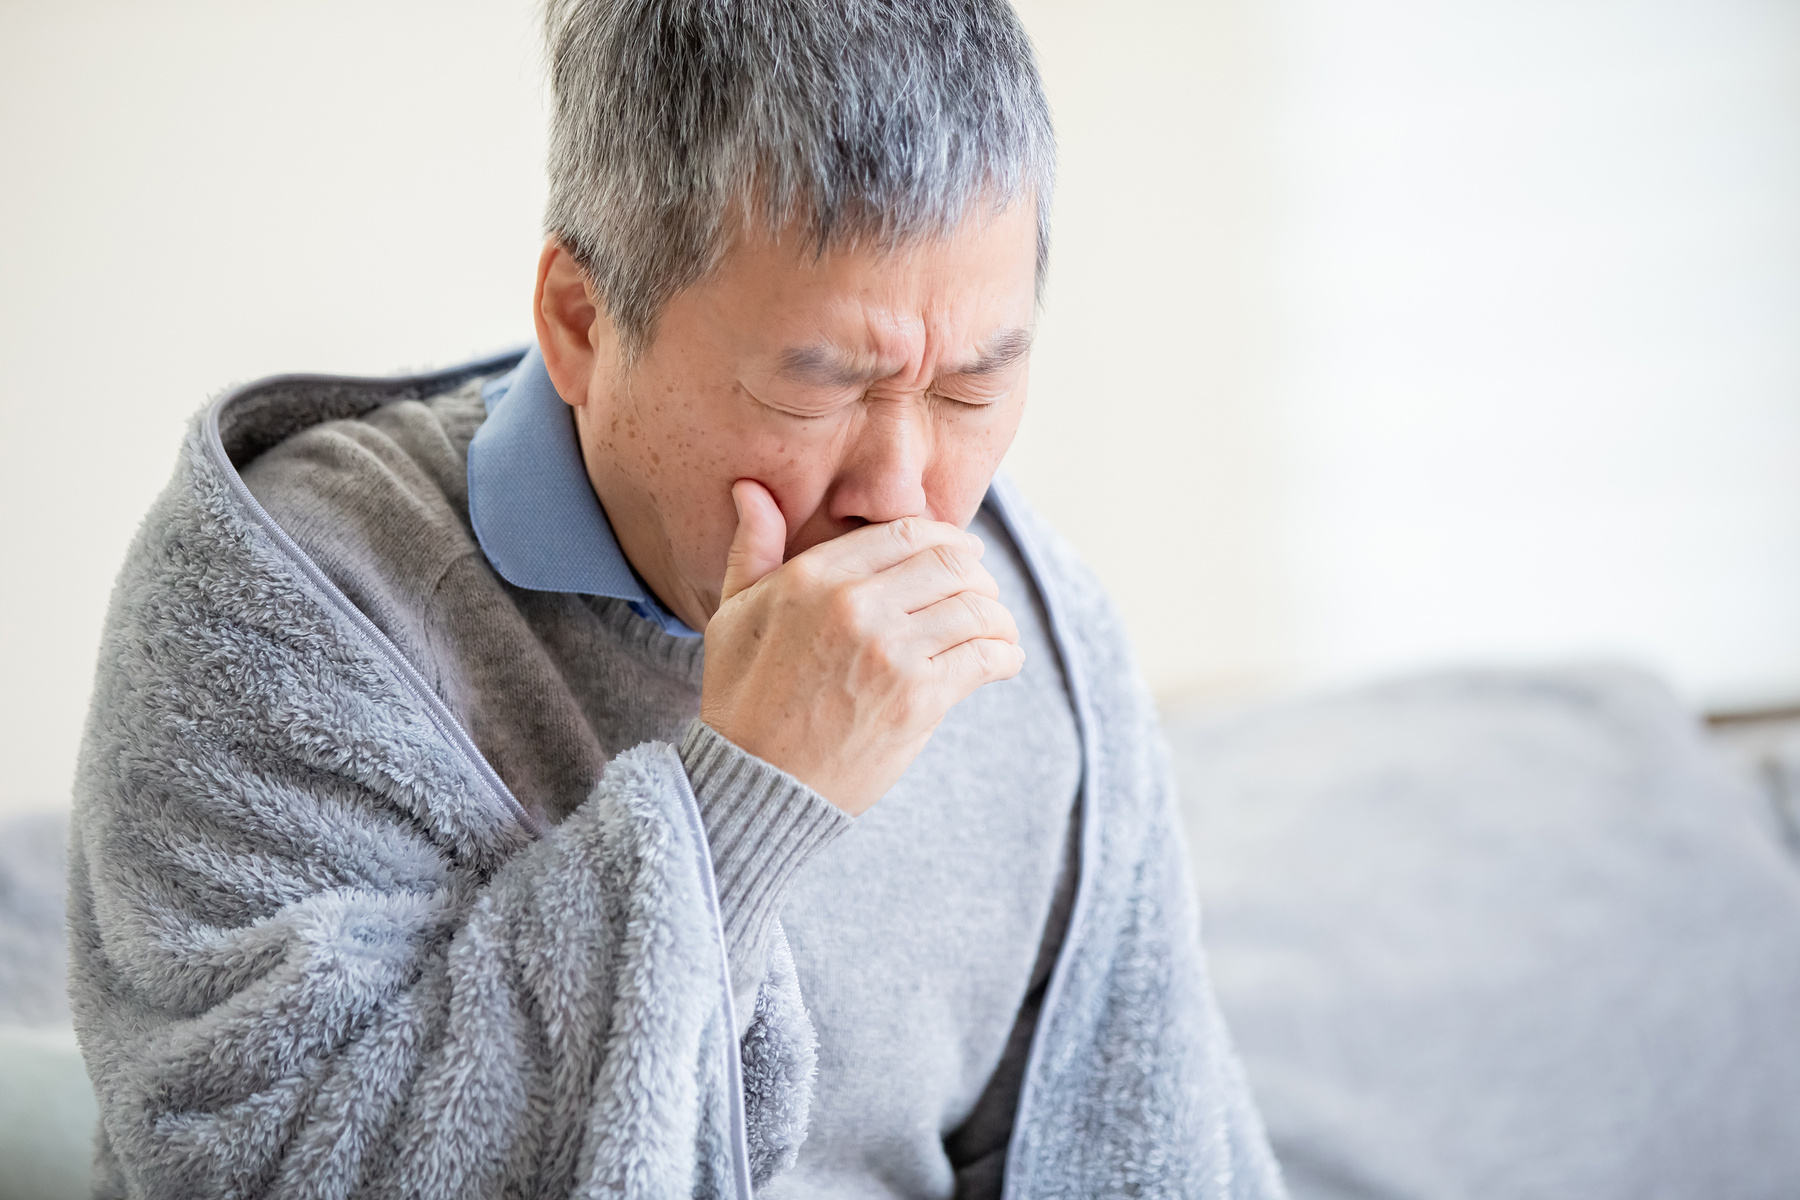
(534, 510)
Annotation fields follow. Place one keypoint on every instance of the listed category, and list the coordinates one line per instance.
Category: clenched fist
(838, 665)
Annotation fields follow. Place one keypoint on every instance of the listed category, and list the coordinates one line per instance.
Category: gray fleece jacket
(318, 948)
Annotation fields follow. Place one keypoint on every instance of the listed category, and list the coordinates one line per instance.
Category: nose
(883, 474)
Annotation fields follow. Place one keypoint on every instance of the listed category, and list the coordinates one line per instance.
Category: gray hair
(879, 121)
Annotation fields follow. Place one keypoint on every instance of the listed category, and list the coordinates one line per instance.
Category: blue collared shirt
(532, 505)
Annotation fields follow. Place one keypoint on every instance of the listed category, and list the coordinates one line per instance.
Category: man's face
(859, 387)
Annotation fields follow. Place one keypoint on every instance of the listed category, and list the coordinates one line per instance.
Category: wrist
(762, 827)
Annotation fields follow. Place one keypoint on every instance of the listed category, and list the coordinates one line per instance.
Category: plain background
(1381, 334)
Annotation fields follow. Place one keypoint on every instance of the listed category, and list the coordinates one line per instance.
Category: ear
(573, 331)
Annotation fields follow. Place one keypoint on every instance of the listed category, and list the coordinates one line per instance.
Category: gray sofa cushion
(33, 948)
(47, 1110)
(1501, 935)
(47, 1115)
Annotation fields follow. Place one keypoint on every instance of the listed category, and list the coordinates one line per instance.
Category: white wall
(194, 194)
(1538, 334)
(1380, 333)
(1392, 333)
(1150, 442)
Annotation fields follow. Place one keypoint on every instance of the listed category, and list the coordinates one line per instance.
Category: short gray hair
(879, 121)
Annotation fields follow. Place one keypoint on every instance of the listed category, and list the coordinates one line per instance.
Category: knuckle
(980, 661)
(992, 616)
(1009, 628)
(846, 607)
(955, 565)
(1001, 659)
(908, 531)
(878, 659)
(803, 572)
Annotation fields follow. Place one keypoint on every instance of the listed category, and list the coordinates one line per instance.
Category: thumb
(761, 538)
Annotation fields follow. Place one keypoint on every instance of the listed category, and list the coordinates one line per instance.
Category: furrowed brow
(1002, 353)
(826, 366)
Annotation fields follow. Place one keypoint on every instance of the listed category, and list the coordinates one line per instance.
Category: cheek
(690, 463)
(796, 461)
(682, 438)
(665, 442)
(964, 460)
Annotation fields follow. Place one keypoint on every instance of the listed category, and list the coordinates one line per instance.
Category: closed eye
(964, 401)
(804, 404)
(976, 391)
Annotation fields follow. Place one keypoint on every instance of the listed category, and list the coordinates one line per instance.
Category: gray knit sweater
(321, 947)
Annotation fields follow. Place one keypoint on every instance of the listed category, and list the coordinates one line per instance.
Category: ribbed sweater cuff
(762, 826)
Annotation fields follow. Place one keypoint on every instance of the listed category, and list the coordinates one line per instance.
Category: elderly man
(666, 762)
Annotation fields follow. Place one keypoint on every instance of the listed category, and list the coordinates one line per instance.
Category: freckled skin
(707, 403)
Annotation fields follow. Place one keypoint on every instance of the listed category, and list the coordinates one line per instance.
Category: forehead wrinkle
(827, 364)
(830, 363)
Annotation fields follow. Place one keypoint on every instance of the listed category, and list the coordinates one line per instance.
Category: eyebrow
(828, 367)
(1006, 349)
(824, 366)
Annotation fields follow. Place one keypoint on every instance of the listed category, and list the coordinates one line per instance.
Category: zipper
(442, 719)
(445, 722)
(734, 1067)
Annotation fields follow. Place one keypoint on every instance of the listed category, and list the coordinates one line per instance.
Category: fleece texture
(318, 947)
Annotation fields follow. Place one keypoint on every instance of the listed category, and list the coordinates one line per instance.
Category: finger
(877, 547)
(930, 576)
(966, 616)
(760, 540)
(967, 665)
